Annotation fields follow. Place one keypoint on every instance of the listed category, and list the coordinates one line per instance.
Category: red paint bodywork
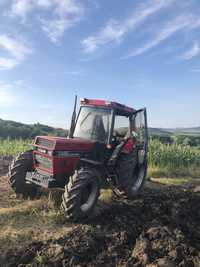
(128, 146)
(61, 165)
(104, 103)
(65, 144)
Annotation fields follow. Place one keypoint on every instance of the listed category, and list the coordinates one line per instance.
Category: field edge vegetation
(164, 160)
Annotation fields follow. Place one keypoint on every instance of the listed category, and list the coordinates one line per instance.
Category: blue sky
(140, 53)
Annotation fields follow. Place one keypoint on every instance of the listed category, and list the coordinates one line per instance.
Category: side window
(121, 125)
(139, 127)
(140, 130)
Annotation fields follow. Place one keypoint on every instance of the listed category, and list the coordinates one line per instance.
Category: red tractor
(106, 147)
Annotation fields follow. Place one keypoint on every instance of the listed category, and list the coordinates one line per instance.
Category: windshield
(93, 124)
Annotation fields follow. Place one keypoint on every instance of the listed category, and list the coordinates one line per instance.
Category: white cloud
(7, 98)
(17, 48)
(43, 3)
(114, 31)
(193, 52)
(22, 8)
(63, 14)
(7, 63)
(55, 28)
(64, 7)
(180, 23)
(67, 13)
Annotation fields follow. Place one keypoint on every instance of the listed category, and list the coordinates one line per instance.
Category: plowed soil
(161, 227)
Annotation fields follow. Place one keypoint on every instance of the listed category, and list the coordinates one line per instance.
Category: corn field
(9, 147)
(168, 159)
(174, 159)
(173, 156)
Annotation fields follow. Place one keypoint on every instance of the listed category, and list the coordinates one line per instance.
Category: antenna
(73, 120)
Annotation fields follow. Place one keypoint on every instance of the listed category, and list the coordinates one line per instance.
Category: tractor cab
(110, 122)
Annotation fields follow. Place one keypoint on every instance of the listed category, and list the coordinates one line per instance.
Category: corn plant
(9, 147)
(173, 156)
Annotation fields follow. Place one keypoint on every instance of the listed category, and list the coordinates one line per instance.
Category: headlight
(42, 150)
(50, 153)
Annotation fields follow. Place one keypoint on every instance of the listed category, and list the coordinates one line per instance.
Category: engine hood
(63, 143)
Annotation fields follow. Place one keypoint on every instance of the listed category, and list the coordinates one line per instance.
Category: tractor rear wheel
(131, 174)
(17, 175)
(81, 194)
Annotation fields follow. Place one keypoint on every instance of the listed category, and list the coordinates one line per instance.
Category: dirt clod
(158, 229)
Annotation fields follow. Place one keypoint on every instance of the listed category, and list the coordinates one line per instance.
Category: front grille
(45, 143)
(62, 153)
(43, 162)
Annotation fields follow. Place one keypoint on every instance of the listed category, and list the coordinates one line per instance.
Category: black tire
(81, 194)
(131, 174)
(17, 175)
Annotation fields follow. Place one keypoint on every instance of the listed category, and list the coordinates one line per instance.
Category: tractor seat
(119, 135)
(121, 132)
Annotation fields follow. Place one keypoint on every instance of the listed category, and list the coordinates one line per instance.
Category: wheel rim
(88, 196)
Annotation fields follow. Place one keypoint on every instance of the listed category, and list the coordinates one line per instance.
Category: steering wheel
(114, 139)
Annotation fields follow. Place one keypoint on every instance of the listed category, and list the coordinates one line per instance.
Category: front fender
(97, 166)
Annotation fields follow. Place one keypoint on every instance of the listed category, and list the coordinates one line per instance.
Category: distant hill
(162, 132)
(159, 132)
(185, 131)
(14, 129)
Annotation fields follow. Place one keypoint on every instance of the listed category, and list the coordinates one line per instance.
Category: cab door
(140, 131)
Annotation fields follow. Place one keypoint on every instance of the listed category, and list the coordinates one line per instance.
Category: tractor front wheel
(17, 175)
(81, 194)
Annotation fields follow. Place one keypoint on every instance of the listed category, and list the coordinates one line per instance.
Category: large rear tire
(131, 174)
(17, 175)
(81, 194)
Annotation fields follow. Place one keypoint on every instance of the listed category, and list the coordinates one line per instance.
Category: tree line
(179, 139)
(16, 130)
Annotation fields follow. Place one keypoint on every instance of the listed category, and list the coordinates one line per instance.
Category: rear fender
(96, 166)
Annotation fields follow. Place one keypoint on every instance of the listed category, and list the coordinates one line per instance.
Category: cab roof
(119, 108)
